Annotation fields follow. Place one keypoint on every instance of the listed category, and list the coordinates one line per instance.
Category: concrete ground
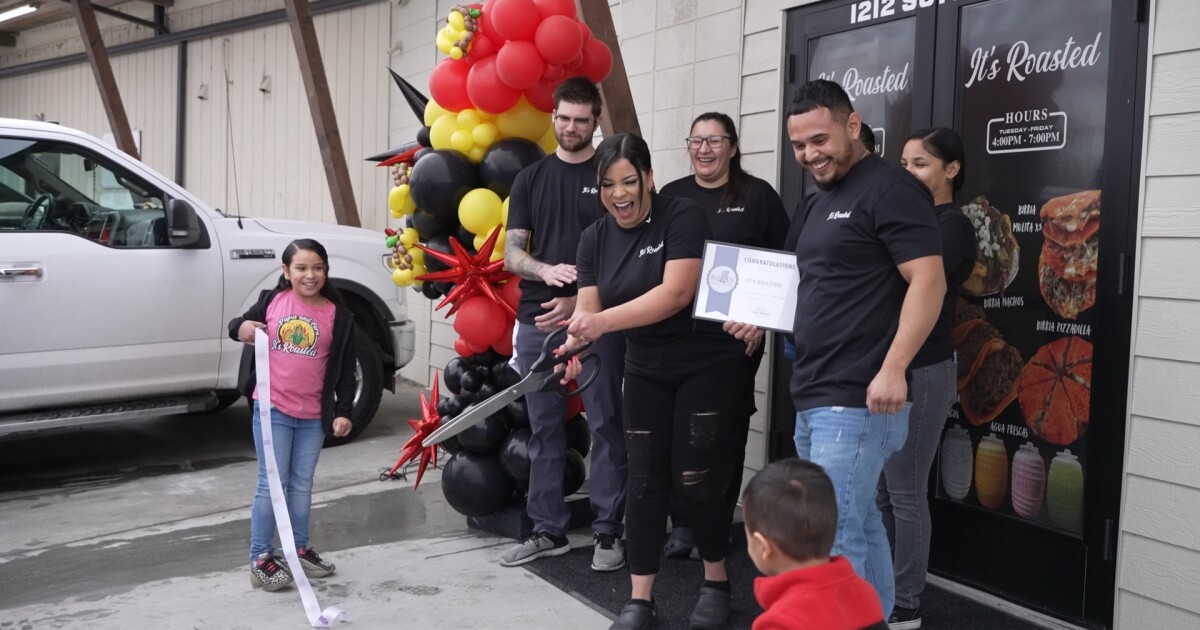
(145, 525)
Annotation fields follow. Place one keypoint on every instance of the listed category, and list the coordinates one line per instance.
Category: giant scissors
(544, 376)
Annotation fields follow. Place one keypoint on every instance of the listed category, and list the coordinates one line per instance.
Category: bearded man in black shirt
(871, 286)
(550, 204)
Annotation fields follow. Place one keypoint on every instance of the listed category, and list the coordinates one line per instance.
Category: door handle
(16, 272)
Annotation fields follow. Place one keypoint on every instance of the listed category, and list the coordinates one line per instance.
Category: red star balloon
(471, 275)
(430, 420)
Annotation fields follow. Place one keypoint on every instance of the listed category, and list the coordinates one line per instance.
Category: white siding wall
(1158, 577)
(683, 58)
(69, 96)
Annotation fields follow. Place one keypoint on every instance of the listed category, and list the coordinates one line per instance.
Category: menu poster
(874, 65)
(1032, 81)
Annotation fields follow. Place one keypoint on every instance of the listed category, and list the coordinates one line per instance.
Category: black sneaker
(269, 573)
(905, 618)
(539, 545)
(314, 566)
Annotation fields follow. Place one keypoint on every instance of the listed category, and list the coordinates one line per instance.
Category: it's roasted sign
(859, 84)
(1022, 61)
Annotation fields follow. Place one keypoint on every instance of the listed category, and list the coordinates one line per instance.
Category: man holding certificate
(870, 288)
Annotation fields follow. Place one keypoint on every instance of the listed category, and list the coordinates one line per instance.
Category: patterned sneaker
(539, 545)
(609, 554)
(314, 566)
(905, 618)
(269, 573)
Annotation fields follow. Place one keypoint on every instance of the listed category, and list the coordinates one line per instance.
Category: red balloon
(515, 19)
(547, 8)
(487, 91)
(463, 349)
(574, 63)
(541, 95)
(511, 293)
(519, 65)
(584, 30)
(558, 39)
(504, 346)
(481, 48)
(574, 403)
(487, 29)
(552, 74)
(480, 321)
(597, 60)
(448, 85)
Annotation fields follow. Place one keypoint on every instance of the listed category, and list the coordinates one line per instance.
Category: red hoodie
(826, 597)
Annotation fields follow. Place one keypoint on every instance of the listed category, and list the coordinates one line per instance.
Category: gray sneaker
(609, 554)
(314, 566)
(269, 573)
(539, 545)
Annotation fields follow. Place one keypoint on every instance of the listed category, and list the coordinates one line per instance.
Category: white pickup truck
(116, 286)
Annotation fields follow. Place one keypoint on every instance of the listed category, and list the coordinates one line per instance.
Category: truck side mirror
(183, 227)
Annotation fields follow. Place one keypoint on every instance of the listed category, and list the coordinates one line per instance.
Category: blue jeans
(852, 444)
(904, 489)
(297, 445)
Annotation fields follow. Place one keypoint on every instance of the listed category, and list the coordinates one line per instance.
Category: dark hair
(821, 93)
(580, 91)
(791, 502)
(623, 146)
(327, 290)
(945, 145)
(737, 175)
(867, 136)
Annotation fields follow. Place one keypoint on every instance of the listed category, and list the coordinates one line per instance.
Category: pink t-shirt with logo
(299, 335)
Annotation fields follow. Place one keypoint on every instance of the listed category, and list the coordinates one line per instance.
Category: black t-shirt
(623, 264)
(848, 302)
(958, 258)
(554, 200)
(756, 218)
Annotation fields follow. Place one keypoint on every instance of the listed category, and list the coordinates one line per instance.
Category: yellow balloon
(548, 143)
(396, 200)
(504, 213)
(405, 189)
(433, 111)
(523, 121)
(455, 20)
(418, 258)
(479, 210)
(461, 141)
(444, 41)
(409, 237)
(395, 214)
(442, 130)
(402, 277)
(483, 133)
(418, 269)
(455, 53)
(468, 118)
(497, 254)
(476, 154)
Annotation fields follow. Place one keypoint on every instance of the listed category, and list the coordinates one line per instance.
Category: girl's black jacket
(337, 395)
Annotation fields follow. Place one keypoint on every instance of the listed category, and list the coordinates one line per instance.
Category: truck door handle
(16, 272)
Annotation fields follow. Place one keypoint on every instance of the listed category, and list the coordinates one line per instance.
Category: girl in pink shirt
(311, 337)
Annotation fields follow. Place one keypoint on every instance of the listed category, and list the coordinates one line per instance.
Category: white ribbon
(316, 617)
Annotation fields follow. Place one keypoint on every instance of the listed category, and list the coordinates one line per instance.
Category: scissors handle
(547, 362)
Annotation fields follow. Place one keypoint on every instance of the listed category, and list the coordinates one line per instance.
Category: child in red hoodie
(791, 516)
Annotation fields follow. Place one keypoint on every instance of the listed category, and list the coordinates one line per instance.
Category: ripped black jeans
(679, 432)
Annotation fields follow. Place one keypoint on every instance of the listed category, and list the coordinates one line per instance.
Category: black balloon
(430, 291)
(465, 238)
(486, 436)
(514, 456)
(488, 389)
(579, 437)
(490, 357)
(573, 474)
(439, 180)
(438, 244)
(422, 152)
(453, 372)
(471, 381)
(451, 445)
(443, 409)
(474, 484)
(430, 227)
(423, 137)
(505, 376)
(504, 159)
(517, 414)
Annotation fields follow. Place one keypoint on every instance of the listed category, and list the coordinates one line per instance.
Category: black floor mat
(678, 582)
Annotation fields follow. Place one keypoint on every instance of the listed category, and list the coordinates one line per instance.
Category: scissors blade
(475, 414)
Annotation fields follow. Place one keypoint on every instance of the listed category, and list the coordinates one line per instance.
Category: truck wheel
(369, 373)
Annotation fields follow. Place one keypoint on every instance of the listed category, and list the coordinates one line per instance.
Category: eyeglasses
(715, 142)
(566, 121)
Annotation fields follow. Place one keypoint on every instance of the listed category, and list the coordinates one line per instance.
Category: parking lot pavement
(145, 525)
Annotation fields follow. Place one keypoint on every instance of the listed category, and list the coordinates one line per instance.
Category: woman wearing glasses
(638, 269)
(743, 210)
